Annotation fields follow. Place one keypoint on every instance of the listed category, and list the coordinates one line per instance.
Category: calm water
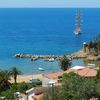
(43, 31)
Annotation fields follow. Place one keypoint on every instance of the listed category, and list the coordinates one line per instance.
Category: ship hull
(77, 33)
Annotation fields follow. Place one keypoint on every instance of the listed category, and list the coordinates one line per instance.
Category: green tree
(98, 74)
(90, 44)
(55, 96)
(65, 63)
(70, 87)
(98, 89)
(9, 95)
(75, 87)
(4, 80)
(15, 72)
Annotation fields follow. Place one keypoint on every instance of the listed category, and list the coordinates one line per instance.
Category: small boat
(77, 32)
(41, 69)
(51, 59)
(34, 59)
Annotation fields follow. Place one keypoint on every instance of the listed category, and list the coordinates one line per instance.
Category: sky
(49, 3)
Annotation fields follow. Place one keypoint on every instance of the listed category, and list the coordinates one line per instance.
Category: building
(35, 93)
(80, 70)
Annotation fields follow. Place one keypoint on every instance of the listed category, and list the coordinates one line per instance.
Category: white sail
(78, 23)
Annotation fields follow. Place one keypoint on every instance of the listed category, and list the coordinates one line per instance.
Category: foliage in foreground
(7, 89)
(19, 87)
(52, 94)
(4, 80)
(75, 87)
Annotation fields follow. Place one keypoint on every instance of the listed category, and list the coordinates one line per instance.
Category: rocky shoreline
(87, 56)
(79, 54)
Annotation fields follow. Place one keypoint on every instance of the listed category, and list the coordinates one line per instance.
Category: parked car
(35, 80)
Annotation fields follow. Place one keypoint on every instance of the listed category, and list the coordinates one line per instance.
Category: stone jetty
(37, 56)
(79, 54)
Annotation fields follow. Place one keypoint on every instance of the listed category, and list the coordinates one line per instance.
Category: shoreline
(26, 78)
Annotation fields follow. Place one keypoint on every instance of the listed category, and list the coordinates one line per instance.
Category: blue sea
(43, 31)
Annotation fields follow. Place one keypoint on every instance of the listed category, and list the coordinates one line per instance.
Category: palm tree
(4, 80)
(65, 63)
(14, 72)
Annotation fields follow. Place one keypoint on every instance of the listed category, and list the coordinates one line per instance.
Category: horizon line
(46, 7)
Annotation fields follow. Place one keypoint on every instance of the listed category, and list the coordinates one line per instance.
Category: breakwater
(79, 54)
(38, 56)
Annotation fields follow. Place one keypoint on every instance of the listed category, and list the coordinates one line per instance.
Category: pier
(35, 57)
(79, 54)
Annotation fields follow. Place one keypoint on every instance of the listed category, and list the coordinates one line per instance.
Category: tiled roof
(87, 72)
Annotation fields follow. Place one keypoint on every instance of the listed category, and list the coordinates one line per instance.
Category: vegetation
(19, 87)
(94, 46)
(4, 80)
(98, 74)
(14, 72)
(65, 63)
(75, 87)
(8, 94)
(8, 89)
(52, 94)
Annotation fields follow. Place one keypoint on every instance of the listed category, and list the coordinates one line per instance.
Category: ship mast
(78, 22)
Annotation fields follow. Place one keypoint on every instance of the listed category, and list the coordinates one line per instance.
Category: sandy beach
(26, 78)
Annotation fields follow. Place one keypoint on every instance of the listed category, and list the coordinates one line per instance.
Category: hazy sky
(49, 3)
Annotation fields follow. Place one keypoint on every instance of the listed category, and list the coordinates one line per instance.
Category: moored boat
(51, 59)
(41, 69)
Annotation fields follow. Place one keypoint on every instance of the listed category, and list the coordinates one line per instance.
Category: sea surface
(43, 32)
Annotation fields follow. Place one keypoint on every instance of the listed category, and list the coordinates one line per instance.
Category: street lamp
(51, 83)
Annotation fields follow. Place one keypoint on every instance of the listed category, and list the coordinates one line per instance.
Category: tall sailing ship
(78, 23)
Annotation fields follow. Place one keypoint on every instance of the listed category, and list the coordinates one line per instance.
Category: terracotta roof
(87, 72)
(54, 75)
(38, 97)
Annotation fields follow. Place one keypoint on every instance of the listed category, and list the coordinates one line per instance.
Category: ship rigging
(78, 23)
